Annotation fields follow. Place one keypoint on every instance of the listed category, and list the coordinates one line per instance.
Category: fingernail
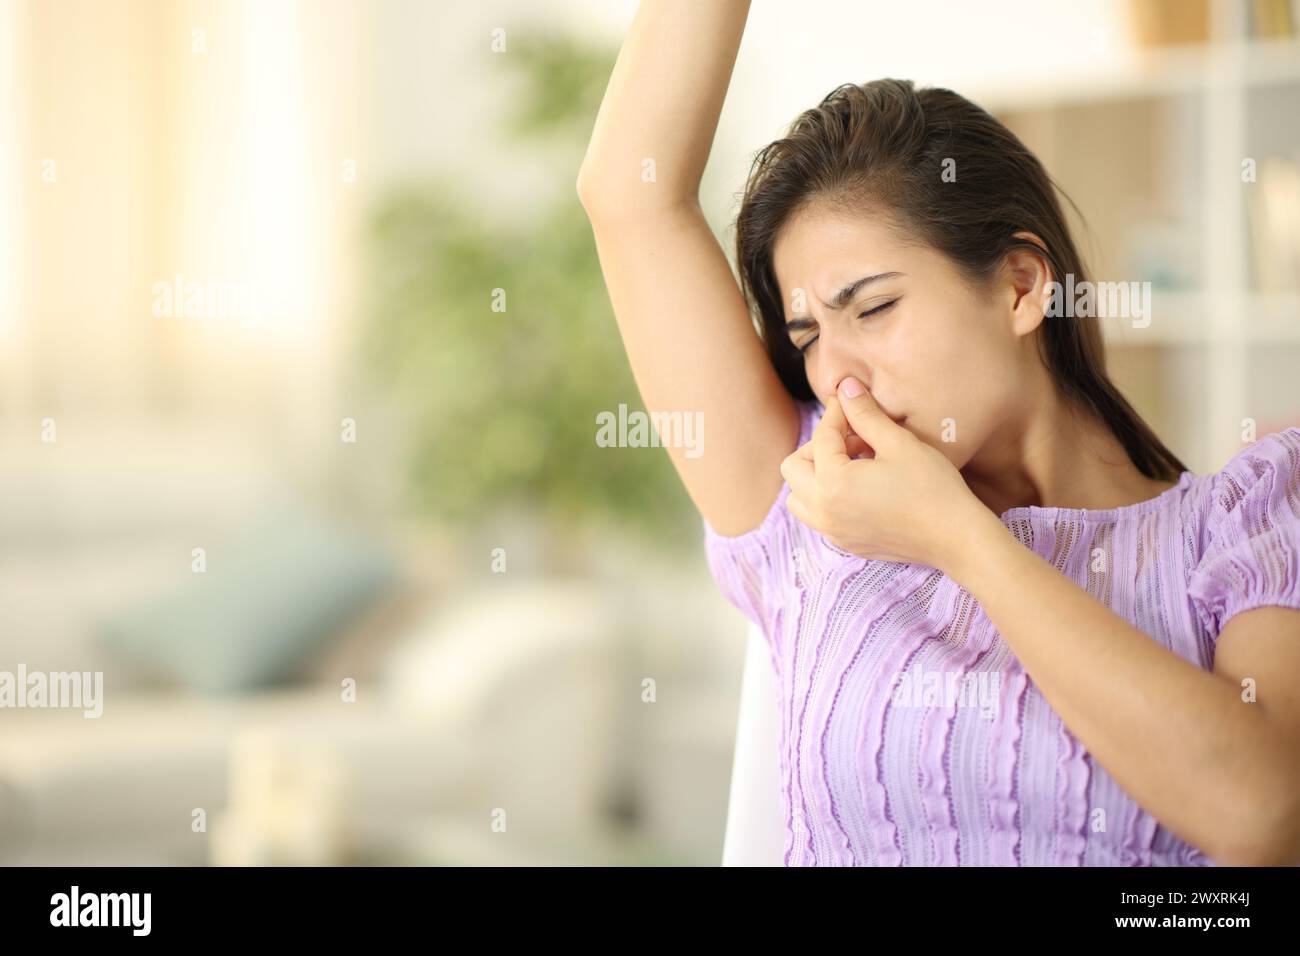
(850, 387)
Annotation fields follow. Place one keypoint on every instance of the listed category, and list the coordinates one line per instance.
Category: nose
(837, 358)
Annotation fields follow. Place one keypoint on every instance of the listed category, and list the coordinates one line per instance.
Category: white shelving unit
(1220, 326)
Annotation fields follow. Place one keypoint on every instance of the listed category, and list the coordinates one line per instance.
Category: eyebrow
(841, 299)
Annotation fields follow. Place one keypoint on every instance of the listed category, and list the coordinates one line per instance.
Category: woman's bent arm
(688, 335)
(662, 104)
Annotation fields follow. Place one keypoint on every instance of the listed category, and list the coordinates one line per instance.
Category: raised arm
(689, 339)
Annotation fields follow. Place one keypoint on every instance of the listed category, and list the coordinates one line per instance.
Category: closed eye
(803, 349)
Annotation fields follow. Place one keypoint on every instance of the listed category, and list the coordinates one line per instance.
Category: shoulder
(778, 518)
(1259, 483)
(779, 530)
(755, 568)
(1250, 540)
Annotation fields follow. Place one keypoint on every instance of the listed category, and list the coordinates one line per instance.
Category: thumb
(867, 418)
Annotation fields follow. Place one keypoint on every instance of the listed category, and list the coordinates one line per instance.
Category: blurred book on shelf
(1273, 211)
(1160, 23)
(1272, 19)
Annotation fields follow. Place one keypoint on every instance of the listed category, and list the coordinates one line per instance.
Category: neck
(1054, 457)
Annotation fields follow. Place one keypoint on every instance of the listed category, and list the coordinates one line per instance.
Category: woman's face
(951, 365)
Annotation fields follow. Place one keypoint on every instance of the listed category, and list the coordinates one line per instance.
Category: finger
(798, 474)
(853, 446)
(867, 418)
(829, 449)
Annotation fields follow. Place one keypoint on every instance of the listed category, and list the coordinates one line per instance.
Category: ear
(1027, 278)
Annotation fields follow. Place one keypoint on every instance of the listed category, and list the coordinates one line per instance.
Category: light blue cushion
(276, 591)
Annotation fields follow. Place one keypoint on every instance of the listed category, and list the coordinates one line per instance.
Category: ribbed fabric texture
(910, 733)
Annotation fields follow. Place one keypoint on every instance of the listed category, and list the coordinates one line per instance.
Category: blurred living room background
(302, 343)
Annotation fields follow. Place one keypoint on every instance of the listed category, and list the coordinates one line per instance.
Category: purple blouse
(910, 733)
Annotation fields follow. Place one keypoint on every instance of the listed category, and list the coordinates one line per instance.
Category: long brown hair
(884, 145)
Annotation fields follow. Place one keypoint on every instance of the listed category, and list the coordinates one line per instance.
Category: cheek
(950, 378)
(929, 362)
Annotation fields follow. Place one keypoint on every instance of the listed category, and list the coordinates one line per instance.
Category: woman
(1009, 626)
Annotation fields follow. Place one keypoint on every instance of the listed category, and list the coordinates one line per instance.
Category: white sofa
(755, 832)
(524, 730)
